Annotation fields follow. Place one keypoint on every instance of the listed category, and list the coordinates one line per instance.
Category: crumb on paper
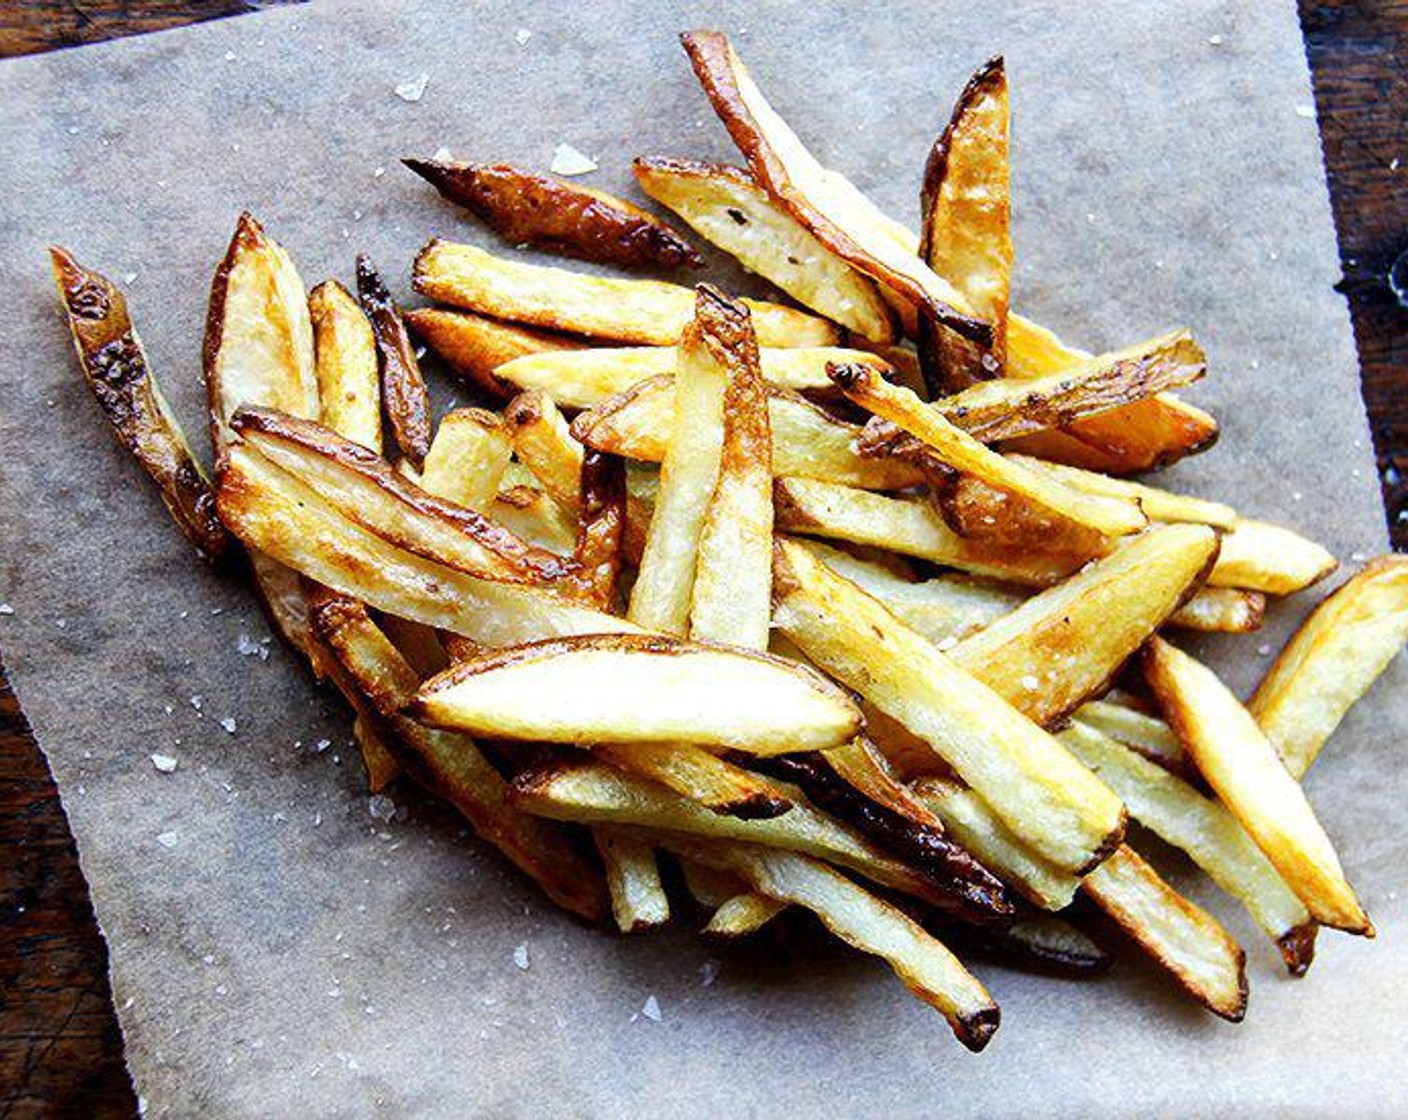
(167, 839)
(413, 89)
(165, 763)
(651, 1009)
(522, 35)
(381, 808)
(520, 957)
(709, 972)
(228, 723)
(128, 277)
(567, 160)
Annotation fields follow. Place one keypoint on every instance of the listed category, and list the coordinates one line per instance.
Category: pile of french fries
(849, 604)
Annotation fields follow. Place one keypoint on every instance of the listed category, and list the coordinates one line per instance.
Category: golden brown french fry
(545, 445)
(467, 459)
(473, 347)
(960, 451)
(910, 527)
(1210, 835)
(725, 206)
(977, 510)
(586, 378)
(600, 529)
(742, 915)
(701, 776)
(270, 509)
(1189, 942)
(1147, 735)
(563, 217)
(115, 366)
(807, 440)
(822, 200)
(624, 688)
(378, 681)
(1243, 768)
(1224, 610)
(403, 394)
(1065, 645)
(1158, 505)
(1332, 660)
(365, 488)
(860, 919)
(647, 312)
(345, 355)
(530, 514)
(966, 230)
(381, 766)
(1041, 792)
(638, 899)
(732, 594)
(1257, 556)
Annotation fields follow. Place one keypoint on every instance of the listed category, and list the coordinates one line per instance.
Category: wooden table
(60, 1051)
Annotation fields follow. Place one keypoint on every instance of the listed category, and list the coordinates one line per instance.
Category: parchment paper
(278, 951)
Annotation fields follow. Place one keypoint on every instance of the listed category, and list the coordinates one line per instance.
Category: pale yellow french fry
(638, 899)
(743, 914)
(1332, 660)
(1257, 556)
(1222, 610)
(1148, 735)
(1158, 505)
(701, 776)
(467, 458)
(1243, 768)
(349, 382)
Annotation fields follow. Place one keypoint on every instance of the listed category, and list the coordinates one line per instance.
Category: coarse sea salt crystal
(1306, 111)
(228, 723)
(381, 807)
(413, 89)
(167, 839)
(165, 763)
(651, 1009)
(709, 972)
(520, 957)
(567, 160)
(5, 608)
(522, 35)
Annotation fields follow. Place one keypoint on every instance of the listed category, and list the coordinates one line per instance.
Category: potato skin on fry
(472, 347)
(403, 393)
(562, 217)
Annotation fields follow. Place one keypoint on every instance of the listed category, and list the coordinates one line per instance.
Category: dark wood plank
(60, 1053)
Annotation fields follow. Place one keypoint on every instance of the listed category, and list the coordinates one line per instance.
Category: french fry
(380, 763)
(822, 200)
(1187, 941)
(115, 366)
(1037, 942)
(742, 915)
(544, 444)
(1256, 556)
(270, 509)
(966, 230)
(601, 527)
(960, 451)
(638, 900)
(1142, 733)
(807, 441)
(1041, 792)
(1332, 660)
(590, 793)
(1158, 505)
(403, 393)
(529, 514)
(910, 527)
(345, 357)
(378, 682)
(725, 206)
(364, 487)
(1207, 832)
(711, 887)
(977, 510)
(646, 312)
(1063, 646)
(1245, 771)
(587, 378)
(697, 774)
(1224, 610)
(860, 919)
(473, 347)
(623, 688)
(467, 459)
(563, 217)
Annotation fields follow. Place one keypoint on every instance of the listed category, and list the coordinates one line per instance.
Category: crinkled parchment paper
(279, 951)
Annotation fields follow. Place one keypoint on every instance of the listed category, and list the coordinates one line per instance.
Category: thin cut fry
(380, 763)
(1158, 505)
(345, 352)
(743, 915)
(647, 312)
(472, 347)
(600, 529)
(701, 776)
(403, 394)
(467, 459)
(638, 900)
(1147, 735)
(1256, 556)
(544, 444)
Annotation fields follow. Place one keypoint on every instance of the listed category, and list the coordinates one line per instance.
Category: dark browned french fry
(403, 394)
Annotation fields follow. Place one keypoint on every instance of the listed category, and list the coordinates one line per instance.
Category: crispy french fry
(1187, 941)
(600, 529)
(467, 459)
(977, 510)
(1245, 771)
(378, 682)
(364, 487)
(270, 509)
(960, 451)
(732, 594)
(1147, 735)
(908, 526)
(563, 217)
(381, 766)
(711, 887)
(1158, 505)
(1042, 793)
(403, 395)
(966, 229)
(1224, 610)
(530, 514)
(701, 776)
(1207, 832)
(1064, 646)
(725, 206)
(647, 312)
(346, 361)
(1332, 660)
(1040, 943)
(545, 445)
(622, 688)
(587, 378)
(743, 914)
(1256, 556)
(860, 919)
(114, 364)
(823, 201)
(473, 347)
(807, 440)
(638, 900)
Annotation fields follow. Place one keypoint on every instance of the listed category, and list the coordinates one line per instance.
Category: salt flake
(709, 972)
(381, 807)
(567, 160)
(165, 763)
(651, 1009)
(520, 957)
(5, 608)
(1306, 112)
(228, 723)
(413, 89)
(442, 153)
(522, 35)
(167, 839)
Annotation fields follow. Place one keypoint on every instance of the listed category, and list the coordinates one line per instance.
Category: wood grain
(60, 1052)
